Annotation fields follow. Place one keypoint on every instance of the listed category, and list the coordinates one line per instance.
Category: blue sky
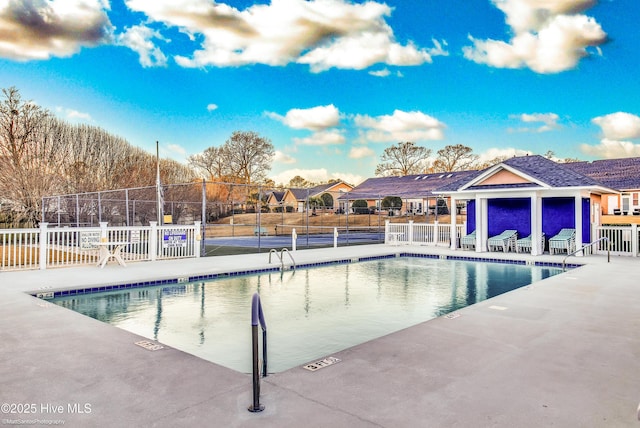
(332, 83)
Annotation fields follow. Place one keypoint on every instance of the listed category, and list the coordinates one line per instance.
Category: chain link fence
(238, 218)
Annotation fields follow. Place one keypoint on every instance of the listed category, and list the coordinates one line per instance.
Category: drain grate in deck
(150, 346)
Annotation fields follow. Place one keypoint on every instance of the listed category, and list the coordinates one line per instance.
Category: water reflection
(310, 313)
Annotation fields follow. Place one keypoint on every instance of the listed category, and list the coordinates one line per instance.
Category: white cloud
(550, 36)
(316, 175)
(411, 126)
(320, 33)
(173, 150)
(41, 29)
(549, 122)
(212, 107)
(281, 157)
(380, 73)
(74, 115)
(612, 149)
(139, 39)
(619, 126)
(508, 152)
(385, 73)
(616, 128)
(361, 152)
(314, 119)
(322, 138)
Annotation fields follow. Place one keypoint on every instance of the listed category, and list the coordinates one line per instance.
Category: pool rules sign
(174, 238)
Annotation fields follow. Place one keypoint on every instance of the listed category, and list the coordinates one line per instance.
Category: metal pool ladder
(281, 257)
(257, 316)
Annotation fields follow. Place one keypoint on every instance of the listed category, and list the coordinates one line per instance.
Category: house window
(635, 199)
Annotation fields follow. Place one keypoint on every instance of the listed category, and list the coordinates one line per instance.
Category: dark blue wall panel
(515, 213)
(557, 213)
(509, 213)
(471, 216)
(586, 220)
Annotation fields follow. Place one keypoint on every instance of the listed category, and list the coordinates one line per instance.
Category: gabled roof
(621, 174)
(301, 193)
(535, 171)
(408, 186)
(278, 195)
(549, 172)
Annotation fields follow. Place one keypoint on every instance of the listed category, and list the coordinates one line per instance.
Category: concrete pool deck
(562, 352)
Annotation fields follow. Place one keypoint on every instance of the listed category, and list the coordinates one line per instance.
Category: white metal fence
(622, 240)
(43, 248)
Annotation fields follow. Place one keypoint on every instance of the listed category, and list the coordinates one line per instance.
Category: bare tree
(455, 158)
(250, 156)
(30, 153)
(213, 162)
(403, 159)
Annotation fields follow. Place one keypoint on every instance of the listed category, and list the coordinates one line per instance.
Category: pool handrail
(604, 238)
(281, 257)
(257, 317)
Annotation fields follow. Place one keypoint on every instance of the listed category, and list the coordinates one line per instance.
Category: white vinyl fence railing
(43, 248)
(421, 234)
(623, 240)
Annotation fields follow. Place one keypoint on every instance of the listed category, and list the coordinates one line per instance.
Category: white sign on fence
(174, 238)
(89, 239)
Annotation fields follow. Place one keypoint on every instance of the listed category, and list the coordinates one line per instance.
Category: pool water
(310, 313)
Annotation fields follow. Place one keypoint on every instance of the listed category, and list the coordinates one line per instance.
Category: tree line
(41, 155)
(407, 158)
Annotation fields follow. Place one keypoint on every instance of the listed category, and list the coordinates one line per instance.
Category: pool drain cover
(150, 346)
(312, 367)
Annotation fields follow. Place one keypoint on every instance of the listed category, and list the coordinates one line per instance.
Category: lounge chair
(565, 240)
(506, 240)
(524, 244)
(468, 242)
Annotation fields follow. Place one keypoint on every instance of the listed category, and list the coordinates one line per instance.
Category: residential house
(621, 174)
(295, 199)
(416, 191)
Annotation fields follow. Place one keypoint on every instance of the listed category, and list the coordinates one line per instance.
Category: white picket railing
(43, 248)
(421, 233)
(623, 240)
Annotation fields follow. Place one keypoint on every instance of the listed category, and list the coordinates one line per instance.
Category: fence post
(44, 245)
(294, 239)
(436, 232)
(104, 237)
(197, 238)
(153, 240)
(410, 233)
(386, 231)
(634, 240)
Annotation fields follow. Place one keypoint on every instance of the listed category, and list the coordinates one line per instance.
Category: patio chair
(468, 242)
(524, 244)
(506, 240)
(565, 240)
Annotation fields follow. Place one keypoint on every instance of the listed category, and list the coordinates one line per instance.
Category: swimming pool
(310, 313)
